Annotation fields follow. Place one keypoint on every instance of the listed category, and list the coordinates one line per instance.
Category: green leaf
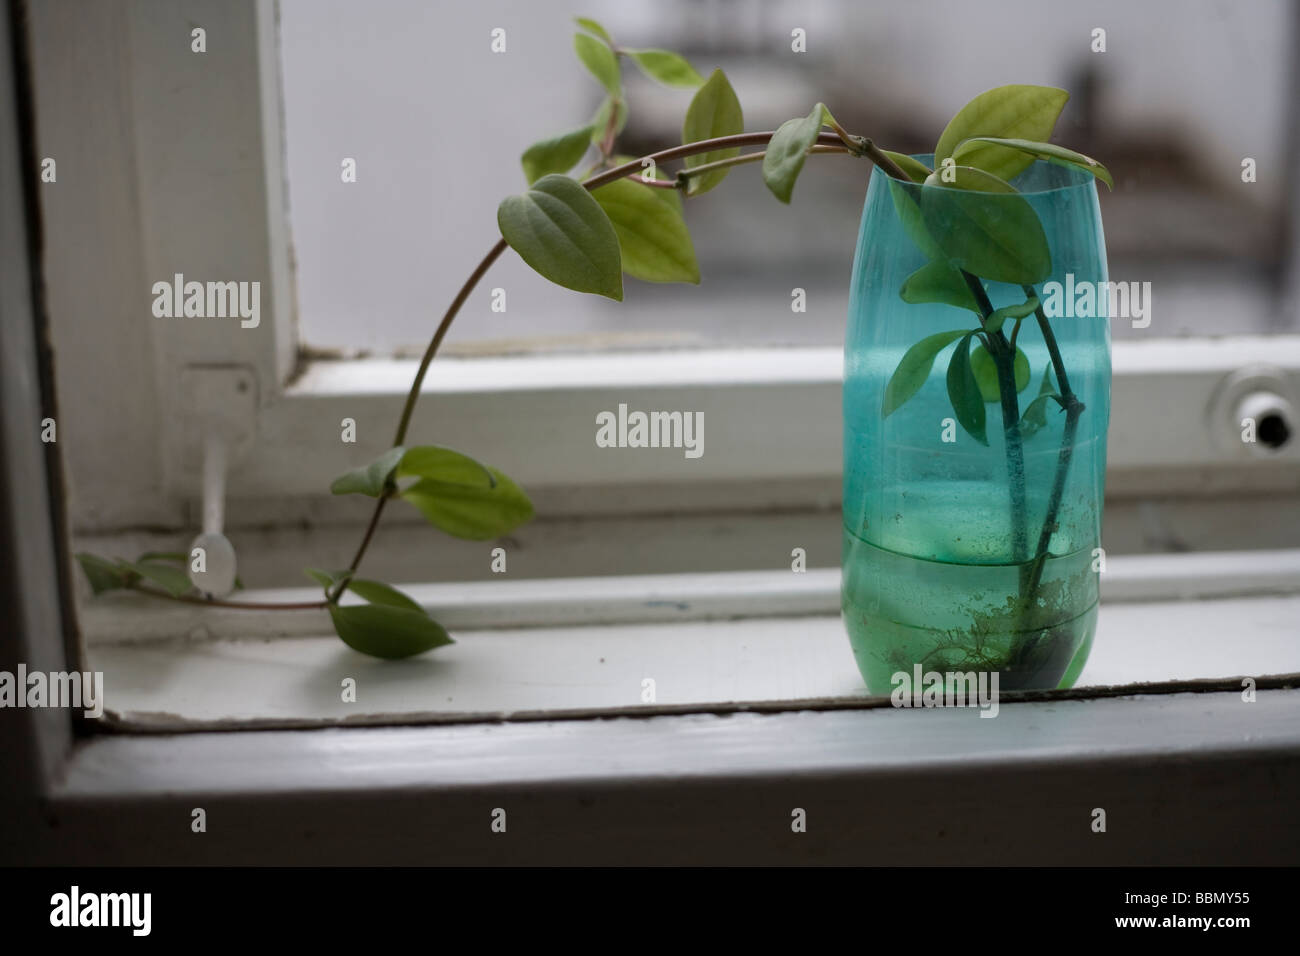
(994, 235)
(377, 592)
(714, 111)
(168, 577)
(1034, 416)
(471, 512)
(600, 60)
(600, 121)
(389, 632)
(1008, 112)
(591, 26)
(668, 68)
(557, 155)
(1048, 151)
(369, 479)
(787, 150)
(968, 177)
(103, 574)
(445, 465)
(562, 233)
(915, 169)
(652, 236)
(986, 372)
(938, 281)
(914, 369)
(327, 579)
(964, 392)
(994, 322)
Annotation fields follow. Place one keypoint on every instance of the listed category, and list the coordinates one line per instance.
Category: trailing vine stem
(827, 143)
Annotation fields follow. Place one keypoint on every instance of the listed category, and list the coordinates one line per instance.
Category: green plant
(624, 216)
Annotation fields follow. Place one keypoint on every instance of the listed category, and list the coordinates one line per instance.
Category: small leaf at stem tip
(915, 169)
(600, 61)
(714, 111)
(914, 368)
(591, 26)
(392, 633)
(986, 372)
(1009, 112)
(564, 235)
(666, 67)
(103, 574)
(995, 321)
(964, 392)
(938, 281)
(377, 592)
(787, 150)
(371, 479)
(556, 155)
(1047, 151)
(468, 512)
(444, 464)
(1035, 416)
(652, 236)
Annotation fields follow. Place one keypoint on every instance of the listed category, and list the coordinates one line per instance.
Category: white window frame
(541, 409)
(580, 791)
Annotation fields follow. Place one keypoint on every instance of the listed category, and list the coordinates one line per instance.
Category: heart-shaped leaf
(556, 155)
(468, 511)
(964, 392)
(938, 281)
(714, 111)
(1007, 112)
(369, 479)
(668, 68)
(788, 148)
(986, 372)
(652, 236)
(167, 576)
(563, 234)
(914, 369)
(386, 631)
(1048, 151)
(600, 60)
(445, 465)
(377, 592)
(994, 235)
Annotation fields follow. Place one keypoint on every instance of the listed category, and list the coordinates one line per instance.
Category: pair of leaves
(390, 625)
(968, 381)
(668, 68)
(454, 492)
(165, 569)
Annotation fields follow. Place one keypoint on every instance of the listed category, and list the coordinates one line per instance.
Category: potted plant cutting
(970, 497)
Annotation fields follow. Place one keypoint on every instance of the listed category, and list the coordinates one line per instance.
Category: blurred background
(1185, 90)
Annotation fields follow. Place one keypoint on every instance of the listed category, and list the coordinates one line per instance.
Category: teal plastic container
(950, 559)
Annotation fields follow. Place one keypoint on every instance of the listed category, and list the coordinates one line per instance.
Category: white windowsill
(588, 644)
